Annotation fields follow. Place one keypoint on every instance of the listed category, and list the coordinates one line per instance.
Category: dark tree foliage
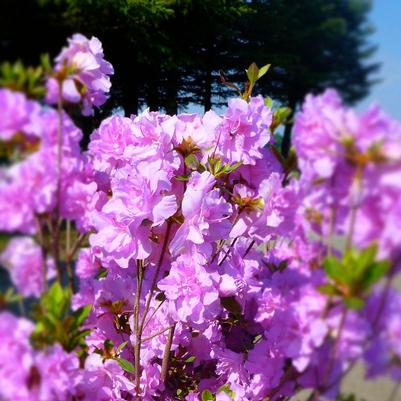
(168, 53)
(312, 45)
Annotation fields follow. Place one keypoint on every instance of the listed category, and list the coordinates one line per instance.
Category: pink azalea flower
(192, 292)
(88, 74)
(24, 260)
(243, 131)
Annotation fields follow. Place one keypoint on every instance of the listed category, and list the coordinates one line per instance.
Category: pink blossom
(87, 74)
(243, 131)
(192, 292)
(102, 380)
(205, 212)
(14, 372)
(125, 221)
(24, 260)
(109, 142)
(17, 115)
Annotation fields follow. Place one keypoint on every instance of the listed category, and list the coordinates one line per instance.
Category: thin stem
(49, 225)
(341, 376)
(70, 254)
(56, 250)
(21, 306)
(156, 276)
(67, 236)
(56, 223)
(153, 314)
(335, 346)
(374, 324)
(217, 144)
(166, 354)
(331, 233)
(43, 251)
(59, 146)
(137, 346)
(228, 251)
(350, 235)
(354, 209)
(69, 269)
(156, 334)
(185, 173)
(316, 394)
(137, 366)
(139, 327)
(248, 249)
(382, 303)
(70, 274)
(76, 246)
(217, 251)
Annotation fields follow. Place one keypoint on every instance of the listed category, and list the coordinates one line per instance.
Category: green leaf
(108, 345)
(102, 273)
(182, 177)
(280, 116)
(225, 388)
(80, 315)
(374, 273)
(29, 80)
(214, 164)
(121, 346)
(75, 339)
(56, 301)
(263, 70)
(227, 169)
(354, 303)
(10, 297)
(192, 162)
(327, 289)
(190, 359)
(56, 323)
(45, 62)
(126, 365)
(252, 72)
(55, 294)
(367, 256)
(207, 396)
(353, 265)
(333, 268)
(283, 113)
(257, 338)
(269, 102)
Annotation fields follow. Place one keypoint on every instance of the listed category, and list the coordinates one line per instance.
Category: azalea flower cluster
(81, 74)
(199, 265)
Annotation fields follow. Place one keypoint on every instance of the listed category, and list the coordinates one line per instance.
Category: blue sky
(386, 17)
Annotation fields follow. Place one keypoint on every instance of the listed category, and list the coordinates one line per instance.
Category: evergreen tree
(168, 53)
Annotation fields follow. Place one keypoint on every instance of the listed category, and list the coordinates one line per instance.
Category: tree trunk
(130, 99)
(171, 103)
(210, 55)
(152, 99)
(207, 100)
(130, 87)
